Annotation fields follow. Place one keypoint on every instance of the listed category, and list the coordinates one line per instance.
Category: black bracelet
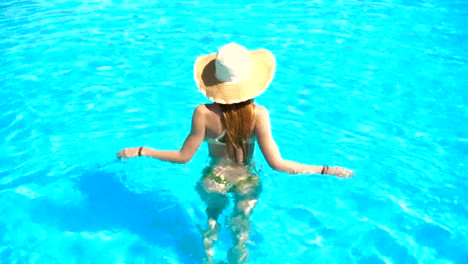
(139, 151)
(324, 170)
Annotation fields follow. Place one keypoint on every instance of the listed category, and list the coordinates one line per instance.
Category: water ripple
(377, 86)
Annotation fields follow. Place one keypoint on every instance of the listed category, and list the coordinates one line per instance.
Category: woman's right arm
(185, 154)
(272, 153)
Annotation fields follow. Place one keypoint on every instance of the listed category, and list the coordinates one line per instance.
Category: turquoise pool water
(376, 86)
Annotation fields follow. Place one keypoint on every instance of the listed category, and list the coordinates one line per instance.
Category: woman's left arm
(185, 154)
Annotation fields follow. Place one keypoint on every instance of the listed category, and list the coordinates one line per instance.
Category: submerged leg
(215, 204)
(246, 198)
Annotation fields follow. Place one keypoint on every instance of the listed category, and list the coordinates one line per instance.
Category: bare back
(214, 129)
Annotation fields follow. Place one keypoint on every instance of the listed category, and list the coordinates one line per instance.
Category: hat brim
(262, 74)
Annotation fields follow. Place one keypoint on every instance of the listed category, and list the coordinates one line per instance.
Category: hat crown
(233, 63)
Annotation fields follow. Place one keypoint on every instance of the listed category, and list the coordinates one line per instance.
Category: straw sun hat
(234, 74)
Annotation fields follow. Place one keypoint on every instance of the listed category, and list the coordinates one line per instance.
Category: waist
(229, 170)
(225, 162)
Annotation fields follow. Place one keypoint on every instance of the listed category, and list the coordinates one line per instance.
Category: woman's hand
(339, 172)
(129, 153)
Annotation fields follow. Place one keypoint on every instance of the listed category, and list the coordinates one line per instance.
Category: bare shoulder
(210, 108)
(207, 111)
(200, 112)
(202, 109)
(260, 112)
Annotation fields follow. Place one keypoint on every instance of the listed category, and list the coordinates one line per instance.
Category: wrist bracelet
(324, 170)
(139, 151)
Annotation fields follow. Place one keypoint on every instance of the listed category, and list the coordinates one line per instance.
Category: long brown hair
(238, 120)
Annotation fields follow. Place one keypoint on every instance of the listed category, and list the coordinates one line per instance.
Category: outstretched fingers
(128, 153)
(341, 172)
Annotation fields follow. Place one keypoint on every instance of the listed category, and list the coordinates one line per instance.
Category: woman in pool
(231, 78)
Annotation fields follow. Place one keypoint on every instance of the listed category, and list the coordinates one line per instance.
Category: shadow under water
(111, 206)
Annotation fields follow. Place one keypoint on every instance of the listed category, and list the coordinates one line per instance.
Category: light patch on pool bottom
(62, 192)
